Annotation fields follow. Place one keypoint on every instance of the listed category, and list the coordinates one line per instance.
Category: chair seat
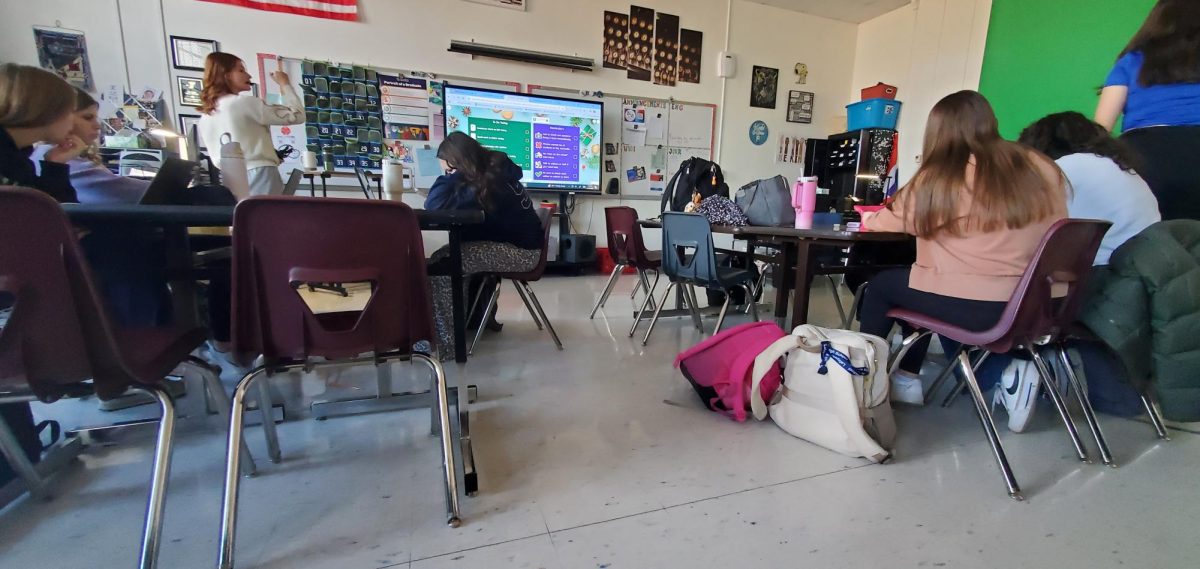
(151, 353)
(992, 340)
(733, 276)
(653, 260)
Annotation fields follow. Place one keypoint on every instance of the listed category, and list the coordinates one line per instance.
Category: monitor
(557, 142)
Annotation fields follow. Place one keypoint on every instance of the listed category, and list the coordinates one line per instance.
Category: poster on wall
(616, 32)
(764, 85)
(800, 107)
(65, 53)
(690, 44)
(510, 4)
(666, 49)
(405, 108)
(640, 48)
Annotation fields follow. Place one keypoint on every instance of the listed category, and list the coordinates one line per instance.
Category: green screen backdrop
(1047, 56)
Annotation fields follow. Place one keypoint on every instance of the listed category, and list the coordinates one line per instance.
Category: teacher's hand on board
(279, 75)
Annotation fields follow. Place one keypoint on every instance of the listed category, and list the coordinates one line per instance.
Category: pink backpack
(719, 367)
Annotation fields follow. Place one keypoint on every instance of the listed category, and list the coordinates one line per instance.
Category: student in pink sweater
(978, 206)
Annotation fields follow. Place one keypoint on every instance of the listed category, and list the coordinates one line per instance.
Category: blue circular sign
(758, 133)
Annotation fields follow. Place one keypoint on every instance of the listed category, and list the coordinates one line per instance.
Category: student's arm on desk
(444, 194)
(891, 219)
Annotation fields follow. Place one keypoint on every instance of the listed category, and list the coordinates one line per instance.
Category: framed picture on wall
(186, 122)
(189, 91)
(800, 106)
(190, 53)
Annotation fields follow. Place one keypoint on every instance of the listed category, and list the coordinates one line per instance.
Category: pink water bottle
(804, 200)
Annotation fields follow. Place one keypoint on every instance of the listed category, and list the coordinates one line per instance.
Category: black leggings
(890, 289)
(1168, 163)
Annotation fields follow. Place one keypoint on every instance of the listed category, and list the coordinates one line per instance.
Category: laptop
(170, 184)
(293, 183)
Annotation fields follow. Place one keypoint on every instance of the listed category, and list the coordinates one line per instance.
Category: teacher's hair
(1170, 42)
(217, 67)
(32, 97)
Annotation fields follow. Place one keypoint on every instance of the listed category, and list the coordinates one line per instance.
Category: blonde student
(246, 119)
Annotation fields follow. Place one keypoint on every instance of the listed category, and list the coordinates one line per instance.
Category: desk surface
(222, 216)
(335, 174)
(820, 232)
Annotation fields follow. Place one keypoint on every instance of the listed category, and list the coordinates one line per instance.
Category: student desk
(797, 246)
(312, 175)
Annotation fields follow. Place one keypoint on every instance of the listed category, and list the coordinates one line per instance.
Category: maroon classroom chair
(1040, 311)
(274, 254)
(58, 342)
(627, 248)
(521, 282)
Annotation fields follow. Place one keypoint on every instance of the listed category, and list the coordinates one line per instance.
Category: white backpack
(834, 391)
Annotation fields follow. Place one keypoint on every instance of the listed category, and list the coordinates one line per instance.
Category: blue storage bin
(873, 113)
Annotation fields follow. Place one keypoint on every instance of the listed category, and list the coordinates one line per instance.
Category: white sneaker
(1018, 391)
(907, 389)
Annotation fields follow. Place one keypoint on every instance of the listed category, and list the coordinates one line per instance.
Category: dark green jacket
(1146, 306)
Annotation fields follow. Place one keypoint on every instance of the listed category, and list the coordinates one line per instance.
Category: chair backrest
(57, 335)
(275, 251)
(1049, 295)
(688, 252)
(625, 242)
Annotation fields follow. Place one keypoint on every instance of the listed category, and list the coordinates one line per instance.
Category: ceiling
(856, 11)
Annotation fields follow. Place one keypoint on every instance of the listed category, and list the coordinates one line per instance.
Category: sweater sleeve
(289, 113)
(55, 179)
(894, 219)
(442, 194)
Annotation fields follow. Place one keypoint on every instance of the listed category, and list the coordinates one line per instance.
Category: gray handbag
(767, 202)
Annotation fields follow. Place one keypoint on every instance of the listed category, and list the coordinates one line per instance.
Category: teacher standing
(1155, 84)
(246, 119)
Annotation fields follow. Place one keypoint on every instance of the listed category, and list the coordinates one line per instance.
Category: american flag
(328, 9)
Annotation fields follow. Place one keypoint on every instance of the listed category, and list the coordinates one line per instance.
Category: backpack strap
(762, 364)
(669, 194)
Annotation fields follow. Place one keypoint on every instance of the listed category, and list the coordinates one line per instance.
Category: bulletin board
(648, 138)
(397, 114)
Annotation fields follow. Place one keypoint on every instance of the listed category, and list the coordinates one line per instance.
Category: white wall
(928, 49)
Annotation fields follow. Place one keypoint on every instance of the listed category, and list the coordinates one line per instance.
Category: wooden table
(313, 175)
(797, 246)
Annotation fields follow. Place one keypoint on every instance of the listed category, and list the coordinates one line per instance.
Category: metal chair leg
(694, 305)
(212, 380)
(541, 313)
(837, 301)
(758, 288)
(1085, 403)
(1051, 388)
(989, 427)
(232, 465)
(612, 281)
(475, 301)
(724, 308)
(642, 311)
(941, 378)
(528, 306)
(265, 409)
(753, 304)
(443, 408)
(152, 531)
(636, 286)
(645, 282)
(1156, 418)
(487, 315)
(961, 386)
(654, 319)
(858, 293)
(904, 347)
(11, 448)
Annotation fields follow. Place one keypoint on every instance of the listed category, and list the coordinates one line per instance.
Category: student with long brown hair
(1155, 84)
(978, 206)
(37, 106)
(247, 120)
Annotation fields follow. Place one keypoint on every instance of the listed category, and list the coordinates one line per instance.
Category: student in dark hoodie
(509, 239)
(37, 106)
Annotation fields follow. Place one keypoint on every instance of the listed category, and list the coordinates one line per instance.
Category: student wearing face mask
(37, 106)
(247, 120)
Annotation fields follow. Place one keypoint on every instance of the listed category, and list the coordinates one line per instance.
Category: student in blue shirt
(509, 240)
(1156, 86)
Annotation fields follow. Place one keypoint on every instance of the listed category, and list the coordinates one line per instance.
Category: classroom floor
(601, 456)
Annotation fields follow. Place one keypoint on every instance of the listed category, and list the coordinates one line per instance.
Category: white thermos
(233, 168)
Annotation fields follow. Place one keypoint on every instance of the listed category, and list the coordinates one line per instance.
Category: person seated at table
(978, 206)
(508, 240)
(37, 106)
(246, 119)
(93, 182)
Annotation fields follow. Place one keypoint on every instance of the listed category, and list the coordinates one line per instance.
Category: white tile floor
(602, 457)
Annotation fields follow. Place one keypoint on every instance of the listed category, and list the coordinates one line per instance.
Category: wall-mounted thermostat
(726, 65)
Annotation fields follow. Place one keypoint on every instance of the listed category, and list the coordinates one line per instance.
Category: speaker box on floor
(578, 248)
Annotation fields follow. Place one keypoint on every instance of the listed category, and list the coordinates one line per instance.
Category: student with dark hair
(509, 239)
(1101, 172)
(978, 206)
(1155, 84)
(37, 106)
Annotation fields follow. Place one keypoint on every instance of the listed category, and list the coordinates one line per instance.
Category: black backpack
(695, 175)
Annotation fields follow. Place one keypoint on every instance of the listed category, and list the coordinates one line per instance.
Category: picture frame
(186, 122)
(189, 91)
(800, 107)
(190, 53)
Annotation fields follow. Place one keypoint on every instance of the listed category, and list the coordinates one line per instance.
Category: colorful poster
(691, 43)
(666, 49)
(65, 53)
(616, 34)
(640, 47)
(764, 85)
(405, 107)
